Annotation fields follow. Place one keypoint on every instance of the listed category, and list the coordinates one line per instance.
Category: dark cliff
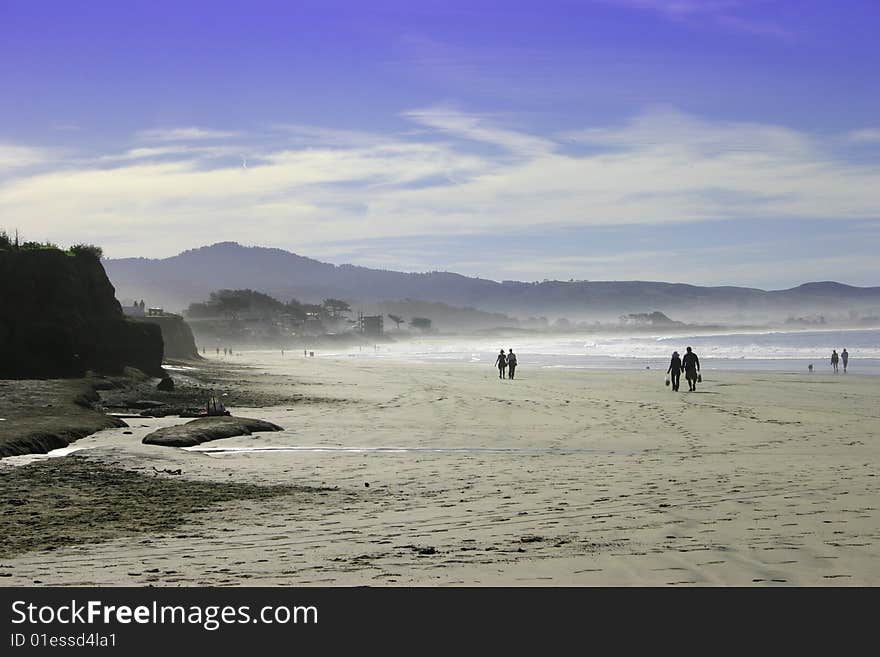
(177, 336)
(59, 317)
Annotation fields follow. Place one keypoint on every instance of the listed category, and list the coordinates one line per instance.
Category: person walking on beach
(844, 358)
(834, 359)
(691, 369)
(501, 362)
(511, 362)
(674, 370)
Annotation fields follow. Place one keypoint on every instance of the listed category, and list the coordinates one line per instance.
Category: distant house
(312, 324)
(370, 325)
(155, 312)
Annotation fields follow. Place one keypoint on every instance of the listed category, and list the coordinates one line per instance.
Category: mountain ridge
(192, 274)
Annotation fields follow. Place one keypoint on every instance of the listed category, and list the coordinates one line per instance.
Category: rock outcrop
(59, 317)
(39, 415)
(204, 429)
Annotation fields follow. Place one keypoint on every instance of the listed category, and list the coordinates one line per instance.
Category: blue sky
(709, 142)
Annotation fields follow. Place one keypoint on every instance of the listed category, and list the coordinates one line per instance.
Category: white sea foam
(768, 350)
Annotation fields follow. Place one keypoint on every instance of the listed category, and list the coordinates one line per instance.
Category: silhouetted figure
(217, 349)
(810, 367)
(511, 363)
(834, 359)
(691, 369)
(844, 358)
(501, 362)
(674, 370)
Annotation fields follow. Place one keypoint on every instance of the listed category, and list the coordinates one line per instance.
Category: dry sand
(562, 477)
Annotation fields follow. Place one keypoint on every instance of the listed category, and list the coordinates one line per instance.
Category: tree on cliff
(88, 250)
(8, 243)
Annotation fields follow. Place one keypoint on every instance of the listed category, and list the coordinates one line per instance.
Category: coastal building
(370, 324)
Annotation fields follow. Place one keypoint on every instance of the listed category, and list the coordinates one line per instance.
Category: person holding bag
(501, 362)
(674, 371)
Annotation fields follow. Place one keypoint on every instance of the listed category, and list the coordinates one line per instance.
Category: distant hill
(176, 281)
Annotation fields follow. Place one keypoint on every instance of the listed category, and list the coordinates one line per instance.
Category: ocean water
(784, 351)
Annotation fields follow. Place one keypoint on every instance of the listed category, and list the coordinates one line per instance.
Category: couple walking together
(507, 362)
(691, 366)
(844, 356)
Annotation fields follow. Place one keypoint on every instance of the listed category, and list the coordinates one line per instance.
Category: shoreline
(84, 407)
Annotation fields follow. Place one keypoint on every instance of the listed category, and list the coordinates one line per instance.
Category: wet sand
(444, 475)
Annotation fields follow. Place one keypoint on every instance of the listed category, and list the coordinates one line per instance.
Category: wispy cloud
(677, 8)
(728, 14)
(657, 168)
(475, 128)
(298, 133)
(65, 127)
(185, 134)
(755, 27)
(867, 134)
(13, 156)
(666, 127)
(178, 151)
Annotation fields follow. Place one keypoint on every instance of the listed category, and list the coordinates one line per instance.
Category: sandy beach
(395, 474)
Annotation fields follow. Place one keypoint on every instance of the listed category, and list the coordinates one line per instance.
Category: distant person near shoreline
(501, 362)
(691, 369)
(511, 363)
(674, 371)
(844, 358)
(834, 360)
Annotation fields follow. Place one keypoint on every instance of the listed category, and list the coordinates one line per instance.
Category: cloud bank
(446, 172)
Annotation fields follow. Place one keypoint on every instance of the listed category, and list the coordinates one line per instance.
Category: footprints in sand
(642, 487)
